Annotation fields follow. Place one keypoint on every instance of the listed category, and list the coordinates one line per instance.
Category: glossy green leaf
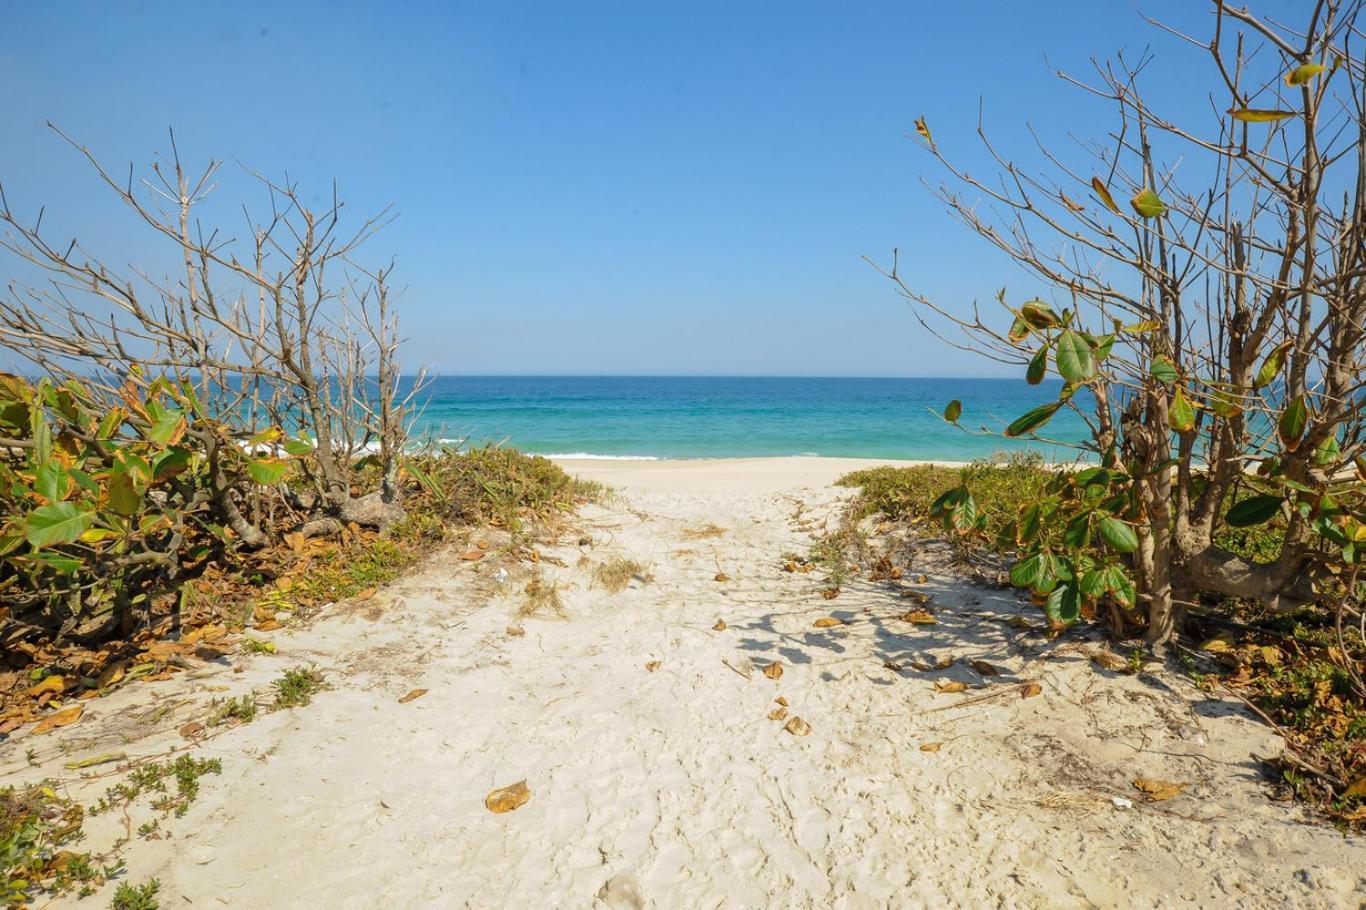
(1118, 534)
(1181, 413)
(268, 471)
(1328, 452)
(1163, 370)
(1271, 367)
(1075, 360)
(1038, 367)
(60, 522)
(1254, 510)
(1032, 420)
(1290, 426)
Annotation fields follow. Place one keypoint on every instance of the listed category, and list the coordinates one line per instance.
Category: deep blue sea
(720, 417)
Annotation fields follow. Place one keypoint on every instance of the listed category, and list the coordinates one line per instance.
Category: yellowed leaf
(722, 576)
(931, 747)
(830, 593)
(950, 685)
(828, 622)
(774, 670)
(720, 625)
(986, 669)
(919, 617)
(366, 594)
(782, 701)
(62, 718)
(505, 799)
(777, 713)
(1030, 689)
(53, 683)
(192, 729)
(111, 674)
(797, 727)
(1103, 192)
(1112, 662)
(412, 696)
(1358, 788)
(654, 665)
(472, 555)
(1155, 790)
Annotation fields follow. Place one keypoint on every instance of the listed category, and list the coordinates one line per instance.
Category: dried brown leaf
(62, 718)
(505, 799)
(774, 670)
(412, 696)
(797, 727)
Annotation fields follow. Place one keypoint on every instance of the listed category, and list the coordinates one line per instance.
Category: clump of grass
(257, 646)
(156, 779)
(296, 688)
(1000, 486)
(542, 597)
(136, 897)
(703, 532)
(234, 711)
(616, 573)
(522, 493)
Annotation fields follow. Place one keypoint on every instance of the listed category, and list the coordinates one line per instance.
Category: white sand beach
(672, 788)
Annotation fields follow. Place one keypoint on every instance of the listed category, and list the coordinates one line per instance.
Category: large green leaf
(1118, 534)
(124, 496)
(1254, 510)
(1075, 360)
(1032, 420)
(1291, 425)
(1039, 315)
(58, 522)
(167, 426)
(1163, 370)
(1271, 367)
(1181, 413)
(51, 481)
(268, 471)
(1038, 367)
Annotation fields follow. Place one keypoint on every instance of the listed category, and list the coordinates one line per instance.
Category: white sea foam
(591, 457)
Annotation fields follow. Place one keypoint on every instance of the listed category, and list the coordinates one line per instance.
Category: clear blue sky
(630, 187)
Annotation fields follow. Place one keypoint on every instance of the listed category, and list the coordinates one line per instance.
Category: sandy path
(671, 789)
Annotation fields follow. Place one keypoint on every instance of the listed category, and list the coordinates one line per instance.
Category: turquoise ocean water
(721, 417)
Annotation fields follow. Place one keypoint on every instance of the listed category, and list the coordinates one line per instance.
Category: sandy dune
(672, 788)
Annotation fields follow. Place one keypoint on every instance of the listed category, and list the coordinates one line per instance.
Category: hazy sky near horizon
(591, 187)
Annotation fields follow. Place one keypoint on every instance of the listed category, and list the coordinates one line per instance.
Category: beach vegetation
(1196, 290)
(614, 574)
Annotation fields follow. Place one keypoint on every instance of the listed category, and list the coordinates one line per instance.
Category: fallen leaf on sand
(830, 593)
(777, 714)
(931, 747)
(505, 799)
(919, 597)
(654, 665)
(919, 617)
(774, 670)
(516, 631)
(722, 576)
(950, 685)
(893, 666)
(412, 696)
(49, 684)
(782, 701)
(797, 727)
(986, 669)
(828, 622)
(366, 594)
(1112, 662)
(720, 625)
(63, 718)
(1030, 689)
(112, 674)
(1156, 790)
(192, 729)
(472, 555)
(268, 625)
